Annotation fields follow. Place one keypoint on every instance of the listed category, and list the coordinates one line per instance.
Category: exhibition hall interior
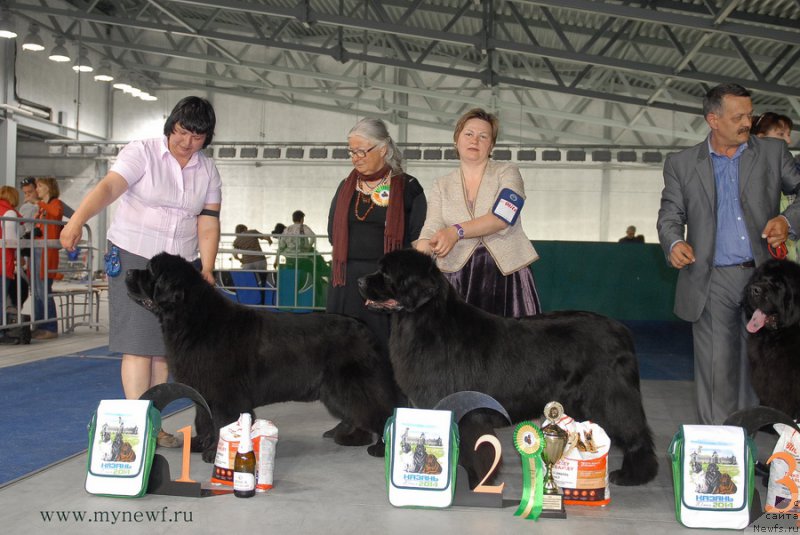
(592, 116)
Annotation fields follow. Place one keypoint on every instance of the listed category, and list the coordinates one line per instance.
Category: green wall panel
(623, 281)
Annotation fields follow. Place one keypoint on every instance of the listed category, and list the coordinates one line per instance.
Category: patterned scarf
(395, 219)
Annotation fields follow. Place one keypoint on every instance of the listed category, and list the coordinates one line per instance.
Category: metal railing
(293, 274)
(74, 286)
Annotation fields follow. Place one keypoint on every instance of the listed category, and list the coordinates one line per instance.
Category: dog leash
(778, 252)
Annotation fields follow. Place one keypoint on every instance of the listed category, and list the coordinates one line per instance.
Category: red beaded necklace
(365, 199)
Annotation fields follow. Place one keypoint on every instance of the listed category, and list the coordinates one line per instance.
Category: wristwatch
(459, 231)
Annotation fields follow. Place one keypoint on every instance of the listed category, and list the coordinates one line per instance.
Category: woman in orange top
(46, 258)
(9, 232)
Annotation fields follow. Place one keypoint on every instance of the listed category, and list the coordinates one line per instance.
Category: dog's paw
(209, 454)
(199, 443)
(349, 436)
(330, 433)
(378, 449)
(624, 479)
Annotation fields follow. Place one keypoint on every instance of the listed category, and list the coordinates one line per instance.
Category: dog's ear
(166, 293)
(417, 283)
(415, 299)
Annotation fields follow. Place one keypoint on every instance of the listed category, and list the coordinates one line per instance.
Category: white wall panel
(56, 86)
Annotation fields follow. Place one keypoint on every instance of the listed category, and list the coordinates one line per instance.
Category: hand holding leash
(779, 252)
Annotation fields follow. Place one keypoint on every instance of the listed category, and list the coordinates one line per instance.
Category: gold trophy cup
(555, 440)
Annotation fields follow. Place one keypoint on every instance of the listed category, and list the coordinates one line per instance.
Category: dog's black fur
(240, 358)
(772, 304)
(439, 345)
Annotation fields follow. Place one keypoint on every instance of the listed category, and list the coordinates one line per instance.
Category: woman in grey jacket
(473, 226)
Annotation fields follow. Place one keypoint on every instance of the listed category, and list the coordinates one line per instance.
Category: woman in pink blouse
(169, 200)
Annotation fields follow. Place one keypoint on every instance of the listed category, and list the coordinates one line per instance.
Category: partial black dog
(240, 358)
(440, 345)
(772, 302)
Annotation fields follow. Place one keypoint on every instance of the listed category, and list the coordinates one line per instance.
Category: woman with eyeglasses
(378, 208)
(473, 226)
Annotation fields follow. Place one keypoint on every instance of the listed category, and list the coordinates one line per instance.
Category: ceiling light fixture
(7, 24)
(82, 64)
(33, 41)
(104, 73)
(122, 83)
(59, 53)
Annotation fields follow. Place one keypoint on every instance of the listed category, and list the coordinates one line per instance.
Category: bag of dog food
(265, 440)
(122, 441)
(421, 458)
(779, 496)
(713, 474)
(582, 472)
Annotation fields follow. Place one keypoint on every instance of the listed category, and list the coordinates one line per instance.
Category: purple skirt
(482, 284)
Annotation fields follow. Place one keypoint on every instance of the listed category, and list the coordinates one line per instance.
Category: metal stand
(160, 481)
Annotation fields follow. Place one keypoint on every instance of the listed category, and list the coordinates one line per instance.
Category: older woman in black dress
(378, 208)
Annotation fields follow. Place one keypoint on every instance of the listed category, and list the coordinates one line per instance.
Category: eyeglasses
(360, 153)
(29, 181)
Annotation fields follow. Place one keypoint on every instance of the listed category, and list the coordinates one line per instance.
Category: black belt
(743, 265)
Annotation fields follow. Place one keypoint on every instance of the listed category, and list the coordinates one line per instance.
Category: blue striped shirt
(732, 245)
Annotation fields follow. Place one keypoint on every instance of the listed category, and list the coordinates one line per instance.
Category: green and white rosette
(529, 441)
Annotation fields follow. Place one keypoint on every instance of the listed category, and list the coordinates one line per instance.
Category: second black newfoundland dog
(440, 345)
(772, 305)
(240, 358)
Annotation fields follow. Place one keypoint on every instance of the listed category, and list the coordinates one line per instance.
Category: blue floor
(47, 404)
(664, 349)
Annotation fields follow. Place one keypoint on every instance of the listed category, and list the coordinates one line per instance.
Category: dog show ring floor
(320, 486)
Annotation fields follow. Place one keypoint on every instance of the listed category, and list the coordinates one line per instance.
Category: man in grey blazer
(719, 210)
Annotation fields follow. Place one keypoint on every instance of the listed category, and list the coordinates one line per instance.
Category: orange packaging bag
(265, 439)
(582, 472)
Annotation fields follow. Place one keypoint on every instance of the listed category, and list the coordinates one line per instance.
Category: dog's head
(772, 296)
(406, 280)
(164, 284)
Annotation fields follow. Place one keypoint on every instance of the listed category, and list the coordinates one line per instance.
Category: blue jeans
(38, 292)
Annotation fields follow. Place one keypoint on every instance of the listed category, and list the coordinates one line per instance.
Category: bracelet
(459, 231)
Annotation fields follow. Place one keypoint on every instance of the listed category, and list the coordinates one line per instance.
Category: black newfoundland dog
(240, 358)
(772, 304)
(440, 345)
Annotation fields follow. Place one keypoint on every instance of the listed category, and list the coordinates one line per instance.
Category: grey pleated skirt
(132, 329)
